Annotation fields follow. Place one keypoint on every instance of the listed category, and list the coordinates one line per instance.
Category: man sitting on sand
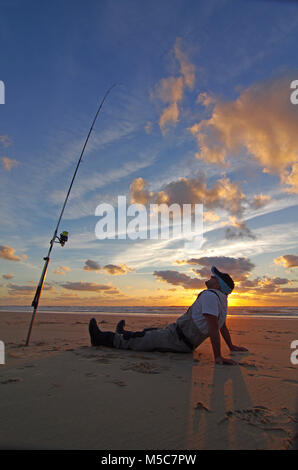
(206, 317)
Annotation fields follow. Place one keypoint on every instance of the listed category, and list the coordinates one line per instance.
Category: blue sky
(202, 94)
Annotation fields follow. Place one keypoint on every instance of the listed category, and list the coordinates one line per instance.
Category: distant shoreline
(142, 314)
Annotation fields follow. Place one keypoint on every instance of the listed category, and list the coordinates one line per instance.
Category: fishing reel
(63, 238)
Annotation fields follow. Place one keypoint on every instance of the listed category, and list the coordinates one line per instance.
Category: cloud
(62, 270)
(290, 177)
(115, 270)
(179, 279)
(264, 284)
(238, 268)
(171, 90)
(91, 265)
(138, 192)
(7, 276)
(15, 289)
(243, 231)
(9, 163)
(148, 127)
(109, 268)
(5, 140)
(170, 114)
(211, 216)
(263, 121)
(6, 252)
(186, 68)
(288, 261)
(224, 194)
(292, 290)
(90, 286)
(205, 99)
(260, 200)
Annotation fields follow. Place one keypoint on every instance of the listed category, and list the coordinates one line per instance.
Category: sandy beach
(61, 393)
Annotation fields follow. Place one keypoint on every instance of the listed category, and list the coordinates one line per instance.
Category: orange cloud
(171, 90)
(7, 276)
(115, 270)
(211, 216)
(169, 114)
(186, 68)
(288, 261)
(263, 121)
(260, 200)
(6, 252)
(5, 140)
(205, 99)
(148, 127)
(109, 268)
(138, 192)
(9, 163)
(62, 270)
(224, 194)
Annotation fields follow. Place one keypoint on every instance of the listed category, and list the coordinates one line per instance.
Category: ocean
(261, 312)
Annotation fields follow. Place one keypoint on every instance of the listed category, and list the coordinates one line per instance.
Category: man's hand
(223, 360)
(237, 348)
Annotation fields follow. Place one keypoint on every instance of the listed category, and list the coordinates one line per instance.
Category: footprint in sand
(143, 368)
(120, 383)
(90, 374)
(139, 356)
(12, 380)
(201, 406)
(262, 418)
(291, 381)
(248, 365)
(16, 355)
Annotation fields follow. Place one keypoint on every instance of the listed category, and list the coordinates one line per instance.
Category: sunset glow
(201, 114)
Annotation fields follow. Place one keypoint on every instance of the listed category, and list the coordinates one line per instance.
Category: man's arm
(226, 336)
(213, 332)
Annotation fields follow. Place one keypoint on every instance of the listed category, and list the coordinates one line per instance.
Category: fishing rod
(62, 239)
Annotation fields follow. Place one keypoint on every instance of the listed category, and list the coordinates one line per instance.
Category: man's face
(212, 283)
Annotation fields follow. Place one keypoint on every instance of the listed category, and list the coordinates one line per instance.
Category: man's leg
(127, 333)
(155, 339)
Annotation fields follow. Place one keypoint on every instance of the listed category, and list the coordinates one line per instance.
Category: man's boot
(100, 338)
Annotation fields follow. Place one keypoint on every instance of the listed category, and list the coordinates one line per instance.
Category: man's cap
(225, 281)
